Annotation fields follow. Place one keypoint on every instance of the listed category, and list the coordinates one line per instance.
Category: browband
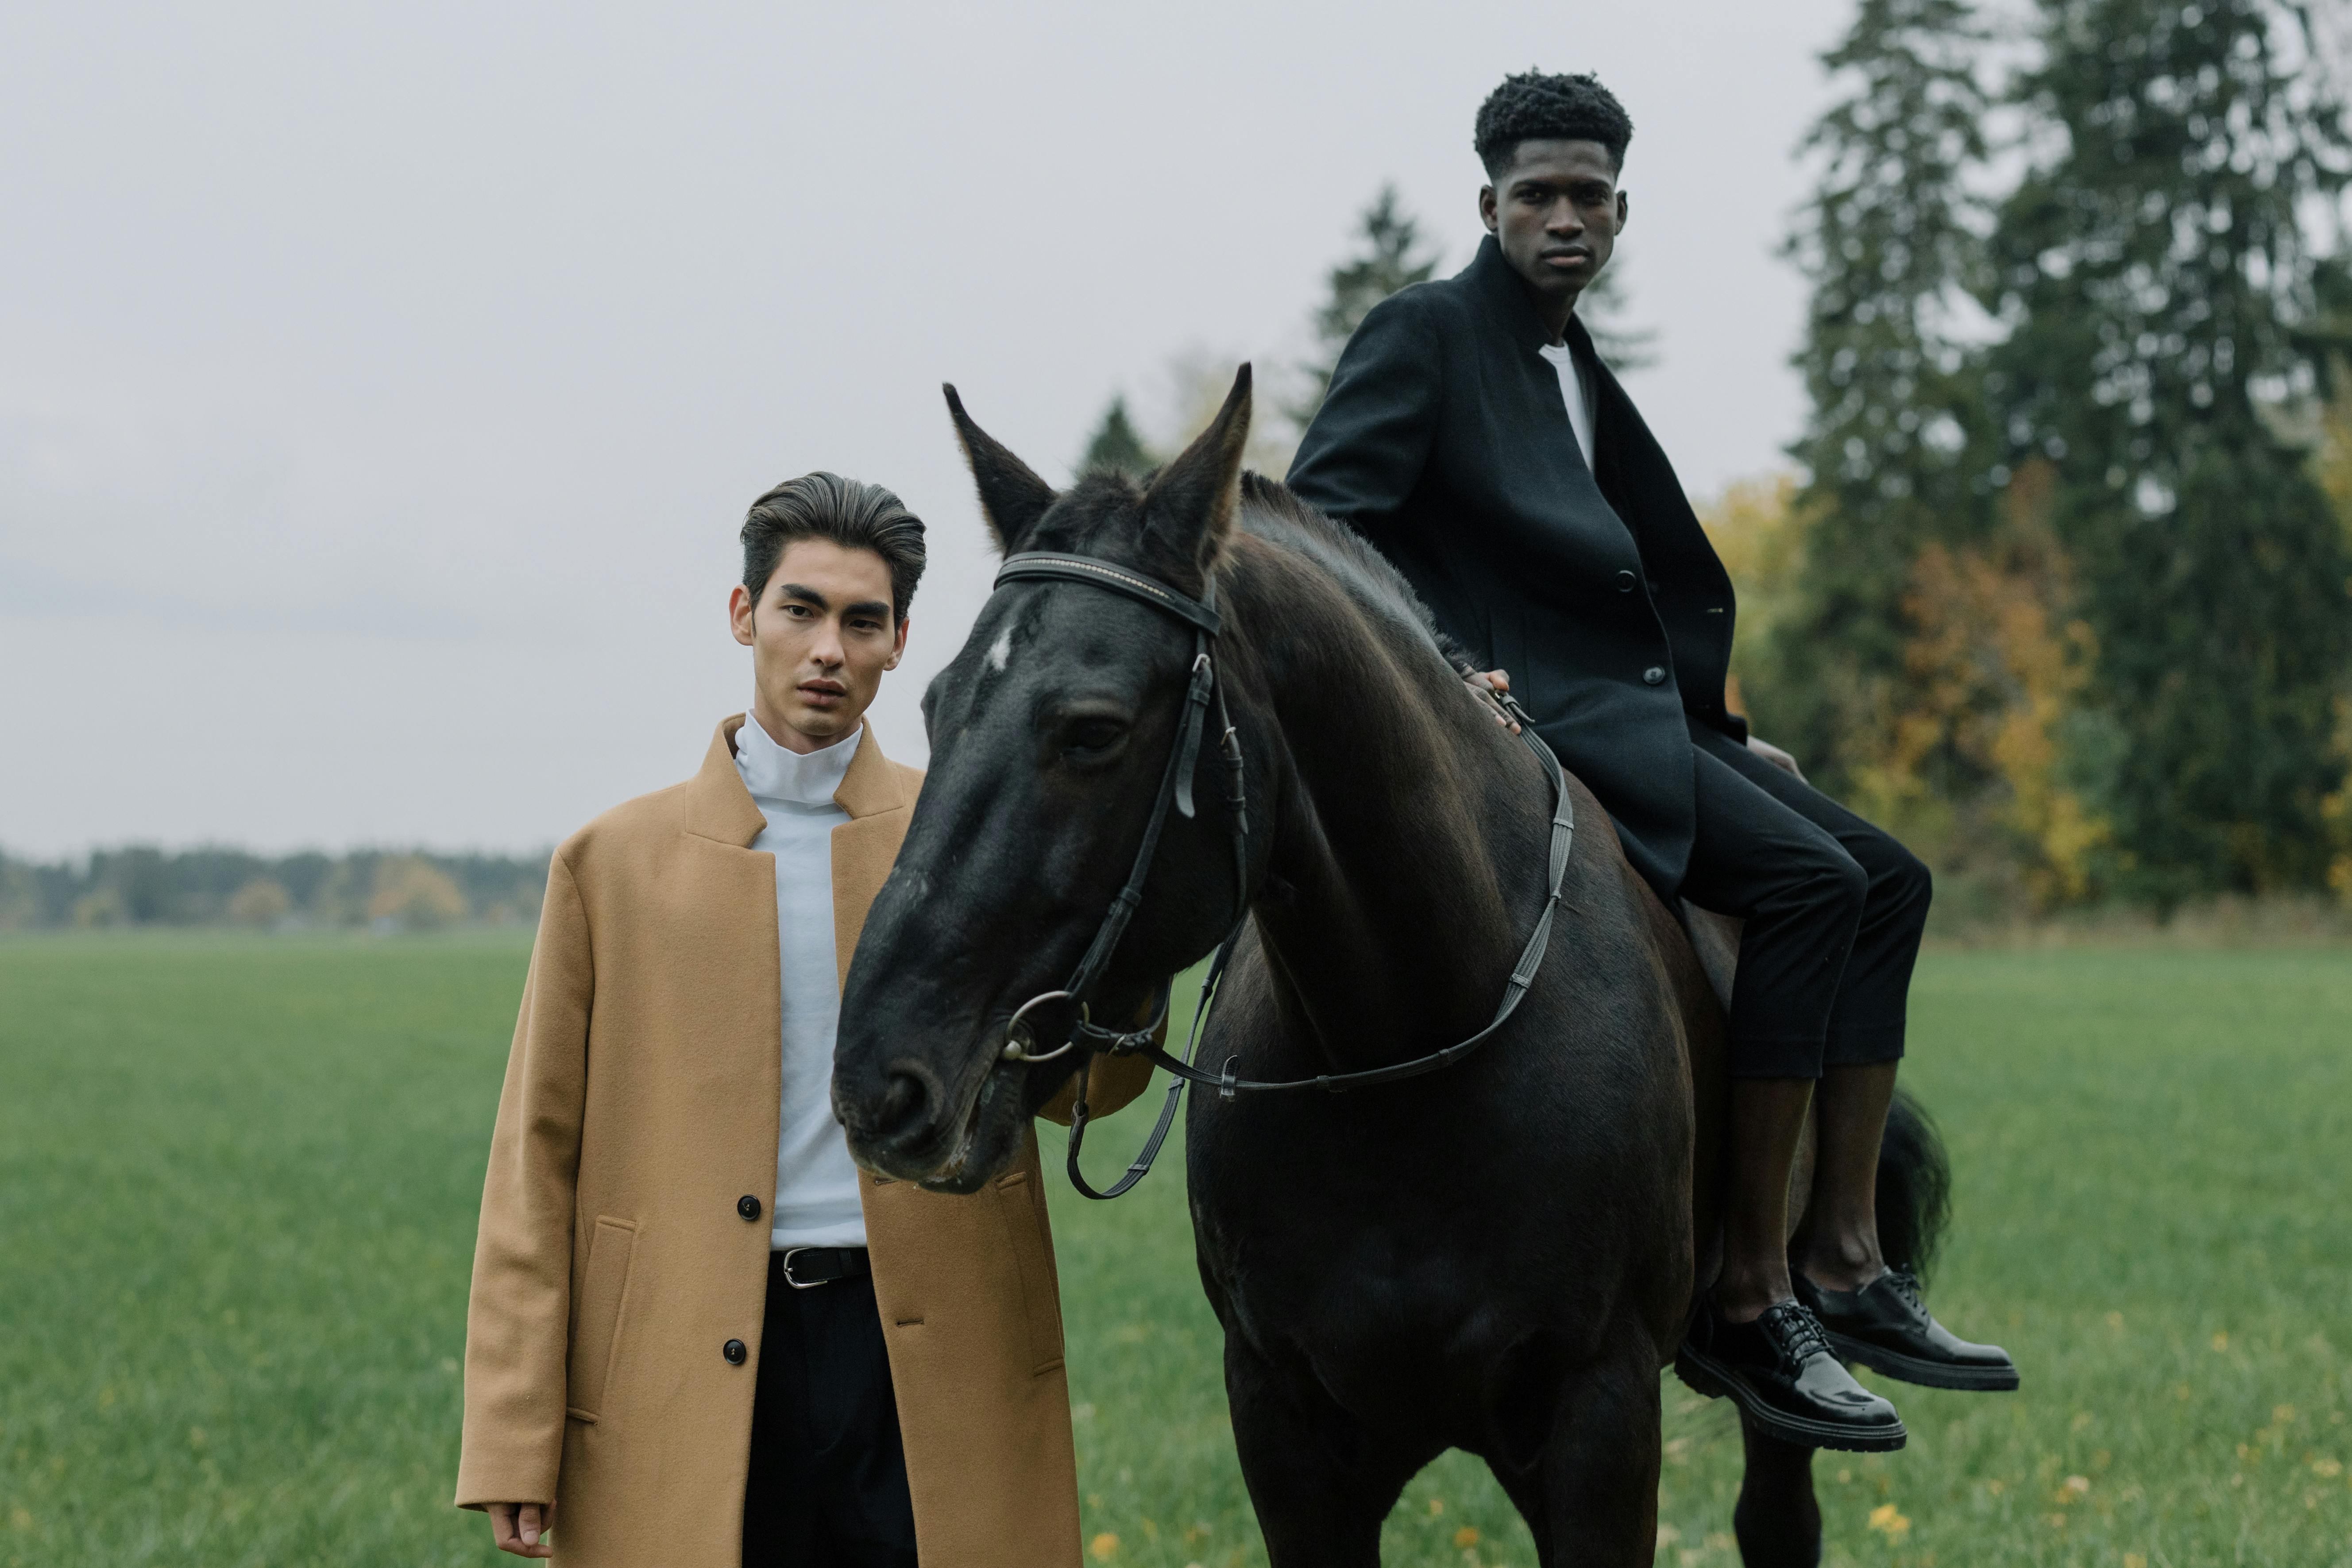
(1047, 565)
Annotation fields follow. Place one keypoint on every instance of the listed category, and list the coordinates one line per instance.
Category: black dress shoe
(1781, 1374)
(1885, 1326)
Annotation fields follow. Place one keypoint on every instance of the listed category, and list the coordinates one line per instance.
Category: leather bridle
(1176, 791)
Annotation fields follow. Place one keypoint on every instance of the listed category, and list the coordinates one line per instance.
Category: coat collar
(872, 784)
(719, 807)
(1504, 295)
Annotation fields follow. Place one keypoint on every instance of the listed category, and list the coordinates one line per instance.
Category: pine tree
(1114, 448)
(1891, 242)
(2171, 311)
(1603, 307)
(1386, 263)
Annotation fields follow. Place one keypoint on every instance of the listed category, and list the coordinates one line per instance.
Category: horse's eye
(1092, 739)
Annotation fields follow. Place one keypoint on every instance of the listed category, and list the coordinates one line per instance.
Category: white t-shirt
(1576, 394)
(816, 1181)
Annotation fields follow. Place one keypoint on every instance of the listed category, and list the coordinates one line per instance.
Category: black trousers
(1834, 910)
(828, 1481)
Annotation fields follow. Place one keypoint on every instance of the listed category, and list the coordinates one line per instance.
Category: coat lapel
(874, 793)
(864, 848)
(717, 805)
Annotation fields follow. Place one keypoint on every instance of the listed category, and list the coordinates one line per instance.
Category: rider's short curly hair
(1533, 107)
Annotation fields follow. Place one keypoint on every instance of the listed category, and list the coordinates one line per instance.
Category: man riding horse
(1472, 434)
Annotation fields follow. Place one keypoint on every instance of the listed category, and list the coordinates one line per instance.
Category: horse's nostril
(905, 1112)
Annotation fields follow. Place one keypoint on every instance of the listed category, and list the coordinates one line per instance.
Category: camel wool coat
(612, 1268)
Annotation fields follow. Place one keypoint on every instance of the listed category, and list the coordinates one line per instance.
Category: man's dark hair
(853, 515)
(1533, 107)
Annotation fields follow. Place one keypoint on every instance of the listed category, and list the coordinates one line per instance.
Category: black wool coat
(1445, 443)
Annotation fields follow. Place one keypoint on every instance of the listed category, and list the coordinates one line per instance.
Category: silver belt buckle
(790, 1253)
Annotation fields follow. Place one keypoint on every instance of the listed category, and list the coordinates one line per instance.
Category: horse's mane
(1272, 512)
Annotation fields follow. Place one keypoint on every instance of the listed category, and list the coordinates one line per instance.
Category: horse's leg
(1321, 1483)
(1777, 1520)
(1592, 1497)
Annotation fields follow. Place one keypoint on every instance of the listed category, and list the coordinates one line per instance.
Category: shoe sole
(1925, 1374)
(1707, 1377)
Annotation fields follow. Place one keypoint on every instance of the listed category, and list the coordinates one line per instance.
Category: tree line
(2061, 587)
(381, 890)
(2070, 601)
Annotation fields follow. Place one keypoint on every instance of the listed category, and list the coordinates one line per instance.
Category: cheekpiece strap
(1036, 563)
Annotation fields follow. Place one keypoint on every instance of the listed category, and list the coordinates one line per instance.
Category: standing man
(1472, 434)
(699, 1335)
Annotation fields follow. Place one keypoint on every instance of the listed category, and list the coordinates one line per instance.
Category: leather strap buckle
(797, 1283)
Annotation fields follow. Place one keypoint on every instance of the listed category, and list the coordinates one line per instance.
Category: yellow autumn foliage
(1755, 529)
(414, 893)
(1963, 755)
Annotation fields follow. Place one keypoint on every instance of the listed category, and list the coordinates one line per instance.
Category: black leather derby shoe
(1781, 1374)
(1885, 1326)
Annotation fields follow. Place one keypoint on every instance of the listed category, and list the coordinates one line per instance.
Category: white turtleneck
(816, 1183)
(1575, 393)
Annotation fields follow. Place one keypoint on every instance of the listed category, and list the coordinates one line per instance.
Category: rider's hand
(1485, 683)
(1776, 756)
(521, 1528)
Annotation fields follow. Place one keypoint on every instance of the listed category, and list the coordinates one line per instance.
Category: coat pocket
(1021, 1206)
(596, 1315)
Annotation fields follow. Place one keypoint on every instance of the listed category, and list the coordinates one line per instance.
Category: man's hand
(1776, 756)
(521, 1528)
(1486, 683)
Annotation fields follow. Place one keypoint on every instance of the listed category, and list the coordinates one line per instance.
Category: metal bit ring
(1018, 1039)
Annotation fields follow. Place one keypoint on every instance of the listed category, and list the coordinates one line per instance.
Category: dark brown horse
(1499, 1256)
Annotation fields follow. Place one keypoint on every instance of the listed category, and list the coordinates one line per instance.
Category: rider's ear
(1194, 500)
(1011, 496)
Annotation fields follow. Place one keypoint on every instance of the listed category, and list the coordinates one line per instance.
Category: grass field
(238, 1183)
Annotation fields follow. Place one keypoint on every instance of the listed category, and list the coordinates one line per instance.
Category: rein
(1176, 790)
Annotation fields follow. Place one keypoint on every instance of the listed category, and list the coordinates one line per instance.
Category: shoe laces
(1905, 1284)
(1796, 1330)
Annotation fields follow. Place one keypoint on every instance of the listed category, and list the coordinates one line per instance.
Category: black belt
(805, 1268)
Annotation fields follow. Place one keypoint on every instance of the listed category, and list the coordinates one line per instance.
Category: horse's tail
(1915, 1187)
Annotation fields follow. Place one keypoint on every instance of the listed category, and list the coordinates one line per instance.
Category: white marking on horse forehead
(1001, 651)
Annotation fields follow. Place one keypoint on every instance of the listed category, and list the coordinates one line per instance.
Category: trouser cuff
(1864, 1047)
(1789, 1056)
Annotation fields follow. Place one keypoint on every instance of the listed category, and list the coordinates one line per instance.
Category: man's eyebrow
(1559, 182)
(868, 607)
(807, 596)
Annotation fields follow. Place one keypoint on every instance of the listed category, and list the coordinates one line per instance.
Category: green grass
(238, 1183)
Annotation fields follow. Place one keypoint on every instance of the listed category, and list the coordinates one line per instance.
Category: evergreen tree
(2169, 311)
(1890, 241)
(1114, 448)
(1603, 307)
(1386, 263)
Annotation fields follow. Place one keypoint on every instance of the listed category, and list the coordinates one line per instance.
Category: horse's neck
(1408, 860)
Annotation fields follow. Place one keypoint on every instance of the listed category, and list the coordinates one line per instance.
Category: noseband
(1176, 790)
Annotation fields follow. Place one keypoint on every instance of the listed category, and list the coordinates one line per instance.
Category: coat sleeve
(518, 1321)
(1366, 447)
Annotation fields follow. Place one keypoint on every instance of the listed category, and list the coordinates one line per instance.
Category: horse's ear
(1012, 496)
(1198, 494)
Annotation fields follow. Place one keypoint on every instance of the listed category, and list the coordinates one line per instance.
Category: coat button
(1625, 581)
(748, 1207)
(734, 1352)
(1654, 676)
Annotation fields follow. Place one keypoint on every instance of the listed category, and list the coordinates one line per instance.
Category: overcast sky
(381, 388)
